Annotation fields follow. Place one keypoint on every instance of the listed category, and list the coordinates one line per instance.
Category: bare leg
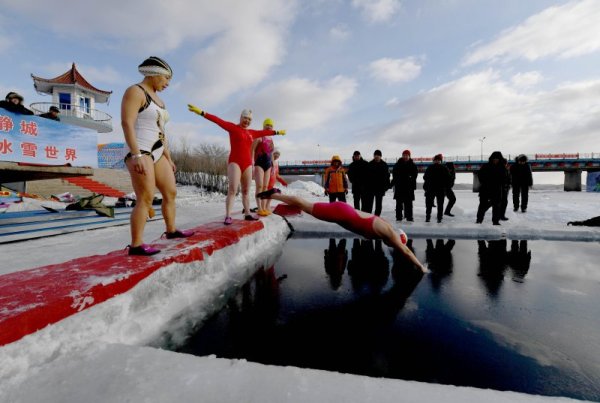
(234, 176)
(303, 204)
(143, 186)
(246, 181)
(165, 182)
(265, 203)
(391, 238)
(259, 175)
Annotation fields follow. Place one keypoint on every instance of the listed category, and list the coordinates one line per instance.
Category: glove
(280, 132)
(195, 109)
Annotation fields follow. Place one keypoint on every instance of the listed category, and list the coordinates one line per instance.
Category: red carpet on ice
(35, 298)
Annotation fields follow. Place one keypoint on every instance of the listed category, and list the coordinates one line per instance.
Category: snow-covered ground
(106, 353)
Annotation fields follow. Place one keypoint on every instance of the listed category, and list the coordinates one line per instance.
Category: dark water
(506, 315)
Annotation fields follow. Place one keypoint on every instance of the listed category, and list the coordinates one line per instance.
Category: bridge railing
(455, 158)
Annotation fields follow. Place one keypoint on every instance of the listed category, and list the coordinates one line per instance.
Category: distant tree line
(204, 165)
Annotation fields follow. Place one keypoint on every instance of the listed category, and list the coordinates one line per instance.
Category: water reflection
(381, 320)
(335, 257)
(369, 268)
(439, 260)
(258, 300)
(519, 260)
(493, 262)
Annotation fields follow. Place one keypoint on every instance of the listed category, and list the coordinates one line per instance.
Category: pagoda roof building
(71, 77)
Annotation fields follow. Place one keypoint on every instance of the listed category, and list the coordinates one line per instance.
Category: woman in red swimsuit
(239, 168)
(368, 225)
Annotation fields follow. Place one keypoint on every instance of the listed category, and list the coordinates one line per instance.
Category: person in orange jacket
(336, 181)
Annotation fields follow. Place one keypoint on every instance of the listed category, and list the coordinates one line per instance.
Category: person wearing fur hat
(492, 178)
(143, 117)
(13, 102)
(336, 181)
(522, 179)
(404, 183)
(436, 180)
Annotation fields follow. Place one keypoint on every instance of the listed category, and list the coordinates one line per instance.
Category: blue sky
(430, 76)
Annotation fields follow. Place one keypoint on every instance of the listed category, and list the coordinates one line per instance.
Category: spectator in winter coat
(52, 114)
(14, 103)
(336, 181)
(436, 181)
(404, 182)
(449, 192)
(492, 178)
(505, 189)
(357, 173)
(522, 179)
(378, 182)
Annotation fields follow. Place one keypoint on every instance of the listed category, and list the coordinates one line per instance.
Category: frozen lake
(499, 314)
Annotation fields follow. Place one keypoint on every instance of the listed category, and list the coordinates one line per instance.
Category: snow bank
(160, 310)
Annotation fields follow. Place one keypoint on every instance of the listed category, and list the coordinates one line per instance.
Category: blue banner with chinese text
(37, 140)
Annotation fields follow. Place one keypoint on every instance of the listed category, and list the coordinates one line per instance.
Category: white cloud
(299, 103)
(395, 70)
(393, 102)
(563, 31)
(377, 10)
(231, 45)
(339, 32)
(526, 80)
(451, 117)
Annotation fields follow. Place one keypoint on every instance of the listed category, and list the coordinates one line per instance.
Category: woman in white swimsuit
(143, 117)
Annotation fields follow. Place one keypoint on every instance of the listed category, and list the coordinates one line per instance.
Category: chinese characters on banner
(32, 139)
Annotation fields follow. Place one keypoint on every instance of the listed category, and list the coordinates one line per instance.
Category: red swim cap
(403, 236)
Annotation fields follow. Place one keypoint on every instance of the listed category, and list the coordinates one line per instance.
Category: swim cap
(246, 113)
(403, 236)
(268, 121)
(155, 66)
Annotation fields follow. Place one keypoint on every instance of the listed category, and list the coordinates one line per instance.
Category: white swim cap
(247, 113)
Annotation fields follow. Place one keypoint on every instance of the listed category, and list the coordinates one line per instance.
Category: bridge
(571, 164)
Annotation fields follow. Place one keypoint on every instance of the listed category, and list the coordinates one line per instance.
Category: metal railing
(456, 158)
(75, 111)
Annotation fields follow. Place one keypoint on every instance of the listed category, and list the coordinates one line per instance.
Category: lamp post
(318, 152)
(481, 141)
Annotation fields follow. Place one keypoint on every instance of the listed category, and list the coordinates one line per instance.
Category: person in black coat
(449, 192)
(404, 182)
(52, 114)
(378, 182)
(522, 179)
(505, 190)
(436, 181)
(492, 179)
(14, 103)
(357, 174)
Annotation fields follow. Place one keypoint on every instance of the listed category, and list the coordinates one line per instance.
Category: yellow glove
(195, 109)
(280, 132)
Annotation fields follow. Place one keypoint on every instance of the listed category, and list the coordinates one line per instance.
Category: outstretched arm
(215, 119)
(391, 238)
(262, 133)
